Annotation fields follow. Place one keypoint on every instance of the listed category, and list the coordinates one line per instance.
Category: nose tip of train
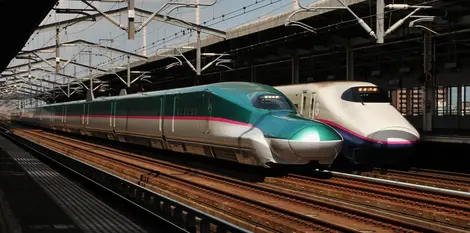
(397, 135)
(317, 142)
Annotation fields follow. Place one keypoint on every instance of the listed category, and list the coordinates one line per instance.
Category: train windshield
(365, 95)
(271, 102)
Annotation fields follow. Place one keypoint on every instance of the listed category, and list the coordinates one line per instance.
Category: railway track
(433, 178)
(391, 200)
(404, 203)
(261, 207)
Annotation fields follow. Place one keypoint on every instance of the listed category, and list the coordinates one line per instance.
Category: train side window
(304, 103)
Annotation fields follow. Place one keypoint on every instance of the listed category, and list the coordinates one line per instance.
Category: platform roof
(268, 41)
(19, 21)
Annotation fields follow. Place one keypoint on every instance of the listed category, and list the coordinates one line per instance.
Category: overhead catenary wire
(168, 38)
(306, 32)
(164, 41)
(222, 18)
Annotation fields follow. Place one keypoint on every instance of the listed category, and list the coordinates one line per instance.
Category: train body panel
(243, 122)
(362, 114)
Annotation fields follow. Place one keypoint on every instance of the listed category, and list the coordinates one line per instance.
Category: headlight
(307, 135)
(316, 134)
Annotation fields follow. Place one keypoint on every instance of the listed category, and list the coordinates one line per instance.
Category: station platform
(440, 137)
(35, 198)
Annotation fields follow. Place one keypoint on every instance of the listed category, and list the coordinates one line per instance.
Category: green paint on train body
(229, 100)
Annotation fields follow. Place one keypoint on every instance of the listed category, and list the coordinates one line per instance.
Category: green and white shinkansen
(248, 123)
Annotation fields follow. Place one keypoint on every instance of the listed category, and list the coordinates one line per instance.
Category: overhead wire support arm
(115, 22)
(361, 22)
(288, 21)
(179, 62)
(192, 26)
(178, 4)
(423, 19)
(218, 59)
(91, 44)
(74, 11)
(187, 61)
(400, 22)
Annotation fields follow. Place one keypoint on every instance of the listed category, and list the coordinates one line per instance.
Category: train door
(52, 116)
(303, 98)
(82, 119)
(64, 117)
(175, 111)
(112, 115)
(85, 117)
(208, 110)
(162, 115)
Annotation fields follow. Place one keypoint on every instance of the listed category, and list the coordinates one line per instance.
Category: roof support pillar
(198, 40)
(295, 68)
(429, 80)
(253, 73)
(57, 50)
(380, 5)
(349, 64)
(128, 71)
(57, 59)
(131, 17)
(89, 95)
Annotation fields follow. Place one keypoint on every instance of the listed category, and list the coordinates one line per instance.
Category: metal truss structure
(380, 5)
(45, 77)
(42, 75)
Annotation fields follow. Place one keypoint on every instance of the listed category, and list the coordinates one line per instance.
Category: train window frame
(304, 103)
(351, 95)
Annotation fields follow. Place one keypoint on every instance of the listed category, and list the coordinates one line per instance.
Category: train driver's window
(369, 94)
(271, 102)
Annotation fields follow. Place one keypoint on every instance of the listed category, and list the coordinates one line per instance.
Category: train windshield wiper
(360, 99)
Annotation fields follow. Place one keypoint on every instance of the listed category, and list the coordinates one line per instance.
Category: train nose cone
(318, 142)
(396, 135)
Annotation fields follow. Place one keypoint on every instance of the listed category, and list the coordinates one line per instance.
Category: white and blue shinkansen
(373, 130)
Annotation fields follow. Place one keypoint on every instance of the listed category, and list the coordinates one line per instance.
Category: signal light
(368, 89)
